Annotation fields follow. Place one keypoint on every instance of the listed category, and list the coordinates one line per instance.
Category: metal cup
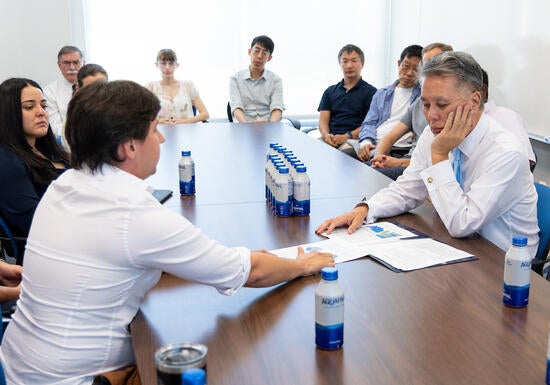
(172, 360)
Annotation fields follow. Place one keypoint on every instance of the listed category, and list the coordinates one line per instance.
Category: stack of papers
(394, 246)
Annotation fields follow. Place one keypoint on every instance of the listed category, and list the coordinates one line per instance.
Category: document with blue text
(398, 248)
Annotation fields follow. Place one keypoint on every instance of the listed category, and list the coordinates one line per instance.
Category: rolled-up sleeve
(235, 99)
(169, 242)
(277, 95)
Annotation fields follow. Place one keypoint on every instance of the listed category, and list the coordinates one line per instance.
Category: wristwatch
(349, 134)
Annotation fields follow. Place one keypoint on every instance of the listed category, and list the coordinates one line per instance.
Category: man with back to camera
(82, 287)
(413, 120)
(59, 93)
(90, 73)
(256, 94)
(390, 103)
(473, 170)
(344, 105)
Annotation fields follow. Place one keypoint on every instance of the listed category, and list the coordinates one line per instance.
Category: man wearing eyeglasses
(256, 94)
(59, 92)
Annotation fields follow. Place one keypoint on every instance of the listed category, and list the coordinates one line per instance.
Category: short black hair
(352, 48)
(485, 77)
(89, 70)
(102, 116)
(411, 51)
(265, 42)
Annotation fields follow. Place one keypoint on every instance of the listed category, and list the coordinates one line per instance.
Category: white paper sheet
(397, 248)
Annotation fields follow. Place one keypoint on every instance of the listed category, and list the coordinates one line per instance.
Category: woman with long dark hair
(30, 157)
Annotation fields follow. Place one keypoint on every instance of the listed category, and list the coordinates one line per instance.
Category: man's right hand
(353, 219)
(329, 139)
(364, 152)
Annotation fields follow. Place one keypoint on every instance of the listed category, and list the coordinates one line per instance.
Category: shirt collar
(342, 83)
(118, 176)
(470, 142)
(249, 76)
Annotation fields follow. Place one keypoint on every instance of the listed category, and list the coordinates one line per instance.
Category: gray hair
(442, 46)
(458, 64)
(69, 49)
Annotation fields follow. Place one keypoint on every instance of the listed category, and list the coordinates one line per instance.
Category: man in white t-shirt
(59, 93)
(510, 120)
(390, 103)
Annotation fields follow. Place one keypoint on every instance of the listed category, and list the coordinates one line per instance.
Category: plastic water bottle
(329, 311)
(272, 149)
(517, 273)
(187, 174)
(194, 376)
(283, 193)
(548, 361)
(300, 203)
(277, 164)
(268, 172)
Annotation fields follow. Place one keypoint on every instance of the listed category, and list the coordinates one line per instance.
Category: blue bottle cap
(329, 273)
(186, 153)
(519, 241)
(283, 170)
(301, 168)
(194, 376)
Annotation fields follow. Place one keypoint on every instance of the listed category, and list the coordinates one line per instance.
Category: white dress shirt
(58, 94)
(84, 282)
(257, 98)
(510, 120)
(498, 199)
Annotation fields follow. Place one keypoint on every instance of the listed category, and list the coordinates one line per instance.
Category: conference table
(440, 325)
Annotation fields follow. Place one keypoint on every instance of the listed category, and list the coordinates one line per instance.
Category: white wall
(32, 33)
(511, 41)
(509, 38)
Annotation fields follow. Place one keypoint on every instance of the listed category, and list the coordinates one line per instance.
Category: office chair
(294, 122)
(543, 217)
(2, 375)
(195, 112)
(229, 114)
(11, 246)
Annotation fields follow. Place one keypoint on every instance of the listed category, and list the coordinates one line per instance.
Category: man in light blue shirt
(391, 102)
(256, 94)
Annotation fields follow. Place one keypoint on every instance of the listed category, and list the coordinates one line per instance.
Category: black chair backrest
(11, 246)
(229, 114)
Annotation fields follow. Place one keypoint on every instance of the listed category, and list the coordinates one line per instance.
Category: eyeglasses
(166, 63)
(259, 51)
(67, 63)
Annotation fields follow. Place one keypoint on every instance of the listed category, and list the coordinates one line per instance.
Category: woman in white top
(177, 98)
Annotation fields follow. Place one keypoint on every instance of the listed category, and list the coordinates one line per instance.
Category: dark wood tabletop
(441, 325)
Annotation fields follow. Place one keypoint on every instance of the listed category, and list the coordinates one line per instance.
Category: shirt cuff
(437, 175)
(246, 266)
(370, 217)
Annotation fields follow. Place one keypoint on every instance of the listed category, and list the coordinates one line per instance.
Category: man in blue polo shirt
(345, 104)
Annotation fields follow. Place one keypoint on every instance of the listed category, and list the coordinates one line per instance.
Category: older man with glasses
(59, 92)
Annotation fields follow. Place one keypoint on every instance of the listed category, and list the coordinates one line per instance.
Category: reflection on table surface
(442, 325)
